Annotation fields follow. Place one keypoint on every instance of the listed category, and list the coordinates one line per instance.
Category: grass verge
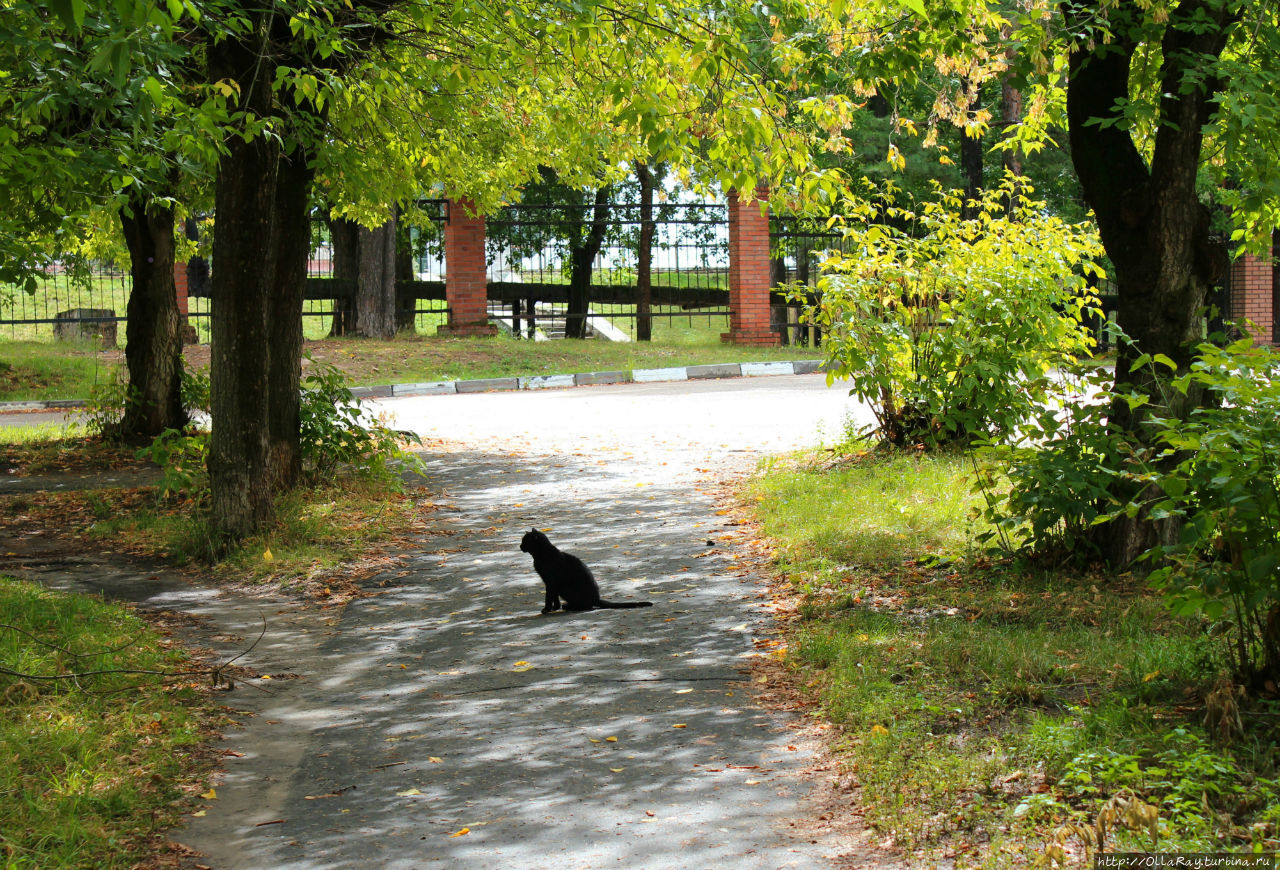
(993, 713)
(97, 765)
(53, 371)
(31, 370)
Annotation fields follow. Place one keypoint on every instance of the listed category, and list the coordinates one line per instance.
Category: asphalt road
(446, 723)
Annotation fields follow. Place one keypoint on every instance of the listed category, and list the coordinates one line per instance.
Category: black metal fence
(532, 253)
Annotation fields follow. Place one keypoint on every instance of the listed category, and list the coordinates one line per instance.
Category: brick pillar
(749, 271)
(466, 273)
(1251, 296)
(180, 288)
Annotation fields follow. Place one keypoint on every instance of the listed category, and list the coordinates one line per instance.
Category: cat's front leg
(551, 604)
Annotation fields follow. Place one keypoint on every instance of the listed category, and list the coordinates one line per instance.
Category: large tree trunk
(247, 251)
(284, 318)
(644, 256)
(582, 259)
(153, 349)
(1152, 223)
(376, 287)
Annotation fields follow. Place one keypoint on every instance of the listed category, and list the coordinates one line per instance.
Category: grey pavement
(446, 723)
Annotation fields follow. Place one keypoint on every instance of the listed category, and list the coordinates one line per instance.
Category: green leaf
(70, 12)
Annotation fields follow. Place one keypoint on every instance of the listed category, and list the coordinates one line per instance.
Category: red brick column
(180, 287)
(466, 273)
(749, 271)
(1251, 296)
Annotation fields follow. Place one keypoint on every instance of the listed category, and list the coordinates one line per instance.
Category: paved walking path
(446, 723)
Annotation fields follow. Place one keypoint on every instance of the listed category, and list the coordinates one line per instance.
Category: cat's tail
(622, 605)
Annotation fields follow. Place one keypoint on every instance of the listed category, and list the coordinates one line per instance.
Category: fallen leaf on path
(211, 794)
(461, 833)
(681, 725)
(435, 760)
(611, 740)
(410, 793)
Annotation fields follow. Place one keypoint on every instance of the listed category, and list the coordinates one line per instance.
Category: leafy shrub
(949, 328)
(336, 431)
(1216, 475)
(182, 457)
(1225, 490)
(1061, 475)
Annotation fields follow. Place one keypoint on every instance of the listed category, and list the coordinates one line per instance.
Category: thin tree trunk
(971, 155)
(644, 256)
(153, 349)
(406, 302)
(344, 242)
(1011, 116)
(582, 261)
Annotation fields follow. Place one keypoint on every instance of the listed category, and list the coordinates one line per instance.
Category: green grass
(414, 360)
(317, 530)
(55, 371)
(95, 766)
(40, 370)
(985, 705)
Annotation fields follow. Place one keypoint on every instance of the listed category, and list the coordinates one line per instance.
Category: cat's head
(534, 540)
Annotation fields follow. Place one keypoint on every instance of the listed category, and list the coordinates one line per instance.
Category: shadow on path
(448, 703)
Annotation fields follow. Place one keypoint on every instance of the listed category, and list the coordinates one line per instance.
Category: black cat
(567, 577)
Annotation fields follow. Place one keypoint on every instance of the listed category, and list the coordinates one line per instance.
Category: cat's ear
(535, 531)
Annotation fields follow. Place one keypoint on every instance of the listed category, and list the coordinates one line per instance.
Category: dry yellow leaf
(681, 725)
(611, 740)
(409, 793)
(266, 555)
(211, 794)
(461, 833)
(435, 760)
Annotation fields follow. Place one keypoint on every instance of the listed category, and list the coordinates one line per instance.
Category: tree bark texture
(292, 234)
(582, 259)
(260, 255)
(1152, 224)
(376, 286)
(153, 349)
(1011, 116)
(344, 244)
(644, 256)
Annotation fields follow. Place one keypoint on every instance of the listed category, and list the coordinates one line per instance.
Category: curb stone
(538, 382)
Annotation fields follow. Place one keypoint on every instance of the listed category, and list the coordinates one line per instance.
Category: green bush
(1215, 475)
(949, 328)
(336, 431)
(1225, 490)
